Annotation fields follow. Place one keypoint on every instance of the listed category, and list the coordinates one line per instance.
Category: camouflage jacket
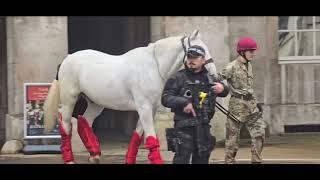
(239, 77)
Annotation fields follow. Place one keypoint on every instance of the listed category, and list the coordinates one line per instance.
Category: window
(299, 39)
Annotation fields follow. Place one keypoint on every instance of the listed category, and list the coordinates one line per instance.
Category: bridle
(185, 50)
(184, 57)
(184, 47)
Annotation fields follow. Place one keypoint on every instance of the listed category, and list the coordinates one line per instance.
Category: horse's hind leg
(135, 142)
(86, 133)
(65, 128)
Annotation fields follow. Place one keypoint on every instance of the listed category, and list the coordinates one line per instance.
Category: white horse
(130, 82)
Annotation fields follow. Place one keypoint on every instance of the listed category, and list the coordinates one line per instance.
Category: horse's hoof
(157, 161)
(94, 159)
(70, 162)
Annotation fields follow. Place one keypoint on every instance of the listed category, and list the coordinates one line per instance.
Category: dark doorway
(110, 34)
(3, 78)
(113, 35)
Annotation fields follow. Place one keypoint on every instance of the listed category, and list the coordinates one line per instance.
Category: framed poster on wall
(34, 97)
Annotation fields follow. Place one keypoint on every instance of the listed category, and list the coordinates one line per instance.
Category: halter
(184, 47)
(183, 60)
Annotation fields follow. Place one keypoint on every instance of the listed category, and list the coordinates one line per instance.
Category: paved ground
(288, 149)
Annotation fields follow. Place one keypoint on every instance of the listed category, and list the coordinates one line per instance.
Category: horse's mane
(166, 41)
(162, 49)
(166, 44)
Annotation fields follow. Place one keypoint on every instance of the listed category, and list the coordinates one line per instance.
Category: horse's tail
(51, 105)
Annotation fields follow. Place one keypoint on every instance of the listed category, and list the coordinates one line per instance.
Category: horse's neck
(168, 56)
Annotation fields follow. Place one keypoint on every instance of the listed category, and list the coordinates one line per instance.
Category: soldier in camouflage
(243, 104)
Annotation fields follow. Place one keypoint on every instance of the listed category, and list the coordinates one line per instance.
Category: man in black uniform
(192, 99)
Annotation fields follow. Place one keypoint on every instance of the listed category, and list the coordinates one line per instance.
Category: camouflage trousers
(242, 109)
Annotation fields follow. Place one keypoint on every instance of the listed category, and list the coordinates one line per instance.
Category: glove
(259, 106)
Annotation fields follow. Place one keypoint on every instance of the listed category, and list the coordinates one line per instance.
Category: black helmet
(196, 51)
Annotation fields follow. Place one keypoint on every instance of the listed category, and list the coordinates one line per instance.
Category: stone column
(35, 46)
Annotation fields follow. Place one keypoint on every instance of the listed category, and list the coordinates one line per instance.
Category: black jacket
(175, 88)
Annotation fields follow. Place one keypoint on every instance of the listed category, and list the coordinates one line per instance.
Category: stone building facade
(32, 47)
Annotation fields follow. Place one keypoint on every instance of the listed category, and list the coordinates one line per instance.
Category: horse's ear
(195, 34)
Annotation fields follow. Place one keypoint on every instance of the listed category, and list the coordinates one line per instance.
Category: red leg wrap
(89, 139)
(133, 148)
(66, 148)
(154, 147)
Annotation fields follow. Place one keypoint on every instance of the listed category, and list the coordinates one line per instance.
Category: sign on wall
(34, 97)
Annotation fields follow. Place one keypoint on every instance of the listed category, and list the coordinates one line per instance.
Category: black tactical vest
(193, 85)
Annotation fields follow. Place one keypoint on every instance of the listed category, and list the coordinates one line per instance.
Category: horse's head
(195, 39)
(170, 53)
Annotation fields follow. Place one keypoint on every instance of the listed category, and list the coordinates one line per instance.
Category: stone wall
(35, 46)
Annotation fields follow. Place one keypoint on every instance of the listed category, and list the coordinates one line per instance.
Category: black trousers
(190, 145)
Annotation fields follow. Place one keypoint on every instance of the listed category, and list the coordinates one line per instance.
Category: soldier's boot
(231, 148)
(133, 148)
(66, 148)
(89, 139)
(256, 150)
(230, 158)
(232, 141)
(231, 152)
(154, 147)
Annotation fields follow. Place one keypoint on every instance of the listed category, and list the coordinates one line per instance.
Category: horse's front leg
(134, 144)
(152, 143)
